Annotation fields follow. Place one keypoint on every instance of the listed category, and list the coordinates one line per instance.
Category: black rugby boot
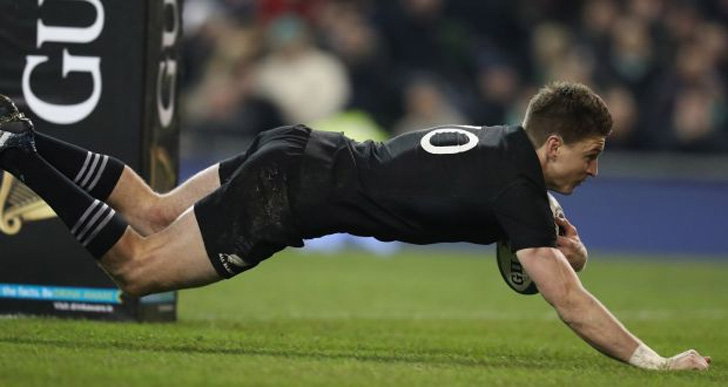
(16, 130)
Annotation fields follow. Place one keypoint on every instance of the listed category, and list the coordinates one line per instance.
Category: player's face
(571, 164)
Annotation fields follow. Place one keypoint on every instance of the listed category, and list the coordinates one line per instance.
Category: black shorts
(249, 218)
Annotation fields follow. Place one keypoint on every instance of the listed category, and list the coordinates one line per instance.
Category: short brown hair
(567, 109)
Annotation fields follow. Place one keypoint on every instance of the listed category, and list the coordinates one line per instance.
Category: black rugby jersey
(444, 184)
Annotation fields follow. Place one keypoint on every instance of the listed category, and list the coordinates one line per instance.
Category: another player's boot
(16, 130)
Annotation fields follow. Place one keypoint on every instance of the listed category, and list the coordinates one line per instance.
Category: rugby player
(445, 184)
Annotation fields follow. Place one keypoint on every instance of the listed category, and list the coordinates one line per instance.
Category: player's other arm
(558, 284)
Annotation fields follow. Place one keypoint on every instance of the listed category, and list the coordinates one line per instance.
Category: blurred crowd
(378, 68)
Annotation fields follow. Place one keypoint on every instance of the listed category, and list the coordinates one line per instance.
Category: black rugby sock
(93, 223)
(95, 173)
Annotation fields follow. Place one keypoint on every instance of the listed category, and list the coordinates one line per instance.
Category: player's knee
(133, 288)
(130, 264)
(135, 278)
(132, 282)
(159, 213)
(136, 285)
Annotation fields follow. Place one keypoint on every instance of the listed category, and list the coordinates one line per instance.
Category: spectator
(632, 55)
(349, 34)
(497, 88)
(598, 18)
(422, 38)
(305, 82)
(658, 62)
(698, 117)
(689, 109)
(426, 106)
(550, 43)
(623, 106)
(271, 10)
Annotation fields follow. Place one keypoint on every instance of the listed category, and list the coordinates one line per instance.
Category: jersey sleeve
(523, 212)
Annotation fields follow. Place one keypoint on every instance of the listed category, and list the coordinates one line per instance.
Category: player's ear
(553, 146)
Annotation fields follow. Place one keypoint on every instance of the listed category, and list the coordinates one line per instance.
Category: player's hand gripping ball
(508, 264)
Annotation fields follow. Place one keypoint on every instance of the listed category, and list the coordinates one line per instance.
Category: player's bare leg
(174, 258)
(110, 180)
(148, 211)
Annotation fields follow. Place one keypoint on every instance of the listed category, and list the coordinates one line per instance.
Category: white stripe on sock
(91, 170)
(99, 228)
(98, 174)
(83, 169)
(93, 221)
(84, 216)
(4, 137)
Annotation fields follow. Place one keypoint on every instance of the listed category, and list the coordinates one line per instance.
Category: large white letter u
(64, 114)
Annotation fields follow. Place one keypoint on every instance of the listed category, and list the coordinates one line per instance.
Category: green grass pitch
(435, 318)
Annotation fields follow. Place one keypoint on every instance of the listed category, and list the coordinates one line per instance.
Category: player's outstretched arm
(558, 284)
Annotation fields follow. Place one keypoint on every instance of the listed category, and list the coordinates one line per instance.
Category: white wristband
(645, 357)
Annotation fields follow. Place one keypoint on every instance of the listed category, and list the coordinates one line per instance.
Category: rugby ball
(508, 264)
